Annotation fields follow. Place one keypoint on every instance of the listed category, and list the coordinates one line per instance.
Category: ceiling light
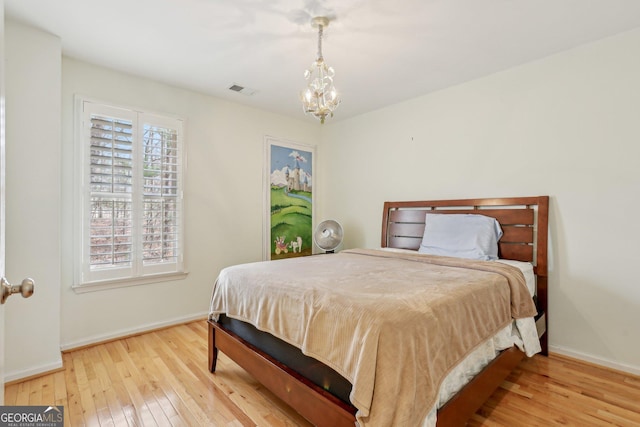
(320, 98)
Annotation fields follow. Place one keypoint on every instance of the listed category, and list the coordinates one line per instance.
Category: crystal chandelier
(320, 98)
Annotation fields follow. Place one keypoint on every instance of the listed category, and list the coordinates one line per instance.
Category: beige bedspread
(392, 324)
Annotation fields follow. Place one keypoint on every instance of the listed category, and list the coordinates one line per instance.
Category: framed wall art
(289, 207)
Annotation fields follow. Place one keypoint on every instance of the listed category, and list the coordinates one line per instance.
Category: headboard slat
(517, 234)
(516, 252)
(405, 242)
(406, 229)
(409, 216)
(504, 216)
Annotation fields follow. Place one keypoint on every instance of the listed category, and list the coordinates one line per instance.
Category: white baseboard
(131, 331)
(32, 372)
(635, 370)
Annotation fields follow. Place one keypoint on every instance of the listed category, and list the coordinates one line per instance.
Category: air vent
(243, 90)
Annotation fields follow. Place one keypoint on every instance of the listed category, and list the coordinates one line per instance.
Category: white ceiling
(383, 51)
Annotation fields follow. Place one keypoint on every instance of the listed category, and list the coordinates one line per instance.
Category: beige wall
(223, 199)
(566, 126)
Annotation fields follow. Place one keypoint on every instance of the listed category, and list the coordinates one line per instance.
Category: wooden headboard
(524, 221)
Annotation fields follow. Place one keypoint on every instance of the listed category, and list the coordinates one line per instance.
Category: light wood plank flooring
(161, 379)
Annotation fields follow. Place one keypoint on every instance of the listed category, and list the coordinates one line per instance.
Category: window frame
(85, 278)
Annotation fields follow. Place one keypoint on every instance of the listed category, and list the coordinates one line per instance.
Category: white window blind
(111, 174)
(131, 199)
(160, 171)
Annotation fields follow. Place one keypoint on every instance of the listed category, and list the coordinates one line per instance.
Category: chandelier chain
(320, 32)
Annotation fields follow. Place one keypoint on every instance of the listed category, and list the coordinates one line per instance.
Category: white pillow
(461, 235)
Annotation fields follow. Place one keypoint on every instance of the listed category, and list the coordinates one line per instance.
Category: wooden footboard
(312, 402)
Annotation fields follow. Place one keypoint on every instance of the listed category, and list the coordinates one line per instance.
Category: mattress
(318, 373)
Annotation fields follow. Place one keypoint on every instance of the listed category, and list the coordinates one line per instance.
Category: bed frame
(524, 221)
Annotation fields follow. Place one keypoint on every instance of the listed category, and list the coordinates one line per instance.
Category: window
(130, 195)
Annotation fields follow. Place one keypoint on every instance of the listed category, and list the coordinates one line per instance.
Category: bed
(319, 386)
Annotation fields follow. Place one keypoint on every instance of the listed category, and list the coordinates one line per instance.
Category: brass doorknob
(25, 288)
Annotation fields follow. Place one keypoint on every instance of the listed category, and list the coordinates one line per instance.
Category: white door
(26, 287)
(1, 195)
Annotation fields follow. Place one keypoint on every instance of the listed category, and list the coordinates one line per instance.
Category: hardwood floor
(161, 378)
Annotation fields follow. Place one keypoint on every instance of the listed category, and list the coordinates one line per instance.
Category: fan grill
(328, 235)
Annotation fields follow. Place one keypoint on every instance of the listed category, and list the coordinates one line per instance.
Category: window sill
(123, 283)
